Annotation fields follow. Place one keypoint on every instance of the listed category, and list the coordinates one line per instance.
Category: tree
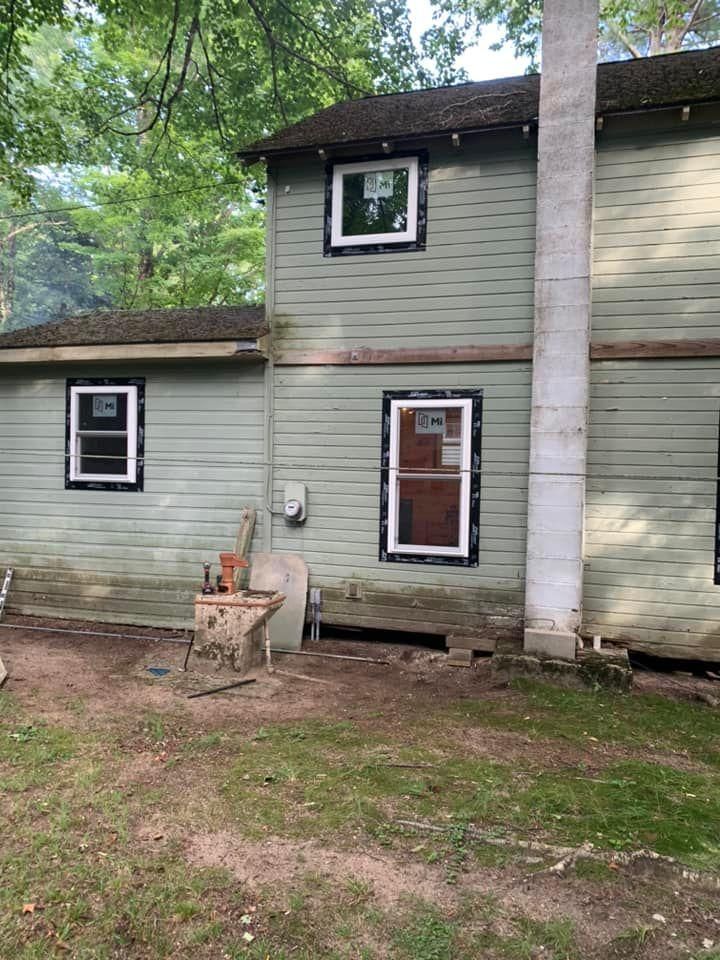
(238, 67)
(628, 28)
(123, 118)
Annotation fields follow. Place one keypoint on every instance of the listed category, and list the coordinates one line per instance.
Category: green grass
(640, 721)
(630, 804)
(70, 826)
(315, 778)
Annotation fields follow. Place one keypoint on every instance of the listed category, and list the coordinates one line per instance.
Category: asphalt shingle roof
(622, 86)
(143, 326)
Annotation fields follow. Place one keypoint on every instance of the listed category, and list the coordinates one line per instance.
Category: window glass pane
(375, 202)
(430, 439)
(102, 411)
(101, 455)
(429, 512)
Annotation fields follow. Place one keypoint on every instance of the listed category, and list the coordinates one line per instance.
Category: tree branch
(688, 26)
(180, 85)
(626, 41)
(211, 84)
(274, 41)
(158, 101)
(324, 41)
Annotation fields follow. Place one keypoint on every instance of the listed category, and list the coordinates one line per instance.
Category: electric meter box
(295, 502)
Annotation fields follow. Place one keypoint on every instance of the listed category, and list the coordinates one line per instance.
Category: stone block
(606, 669)
(555, 644)
(458, 657)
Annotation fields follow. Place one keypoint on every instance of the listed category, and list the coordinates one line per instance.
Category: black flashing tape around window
(473, 557)
(716, 577)
(420, 241)
(138, 485)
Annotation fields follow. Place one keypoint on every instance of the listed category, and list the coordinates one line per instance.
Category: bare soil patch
(164, 753)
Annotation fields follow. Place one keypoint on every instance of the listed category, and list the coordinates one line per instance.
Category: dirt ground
(49, 672)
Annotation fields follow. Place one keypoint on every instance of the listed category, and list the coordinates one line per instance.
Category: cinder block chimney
(561, 365)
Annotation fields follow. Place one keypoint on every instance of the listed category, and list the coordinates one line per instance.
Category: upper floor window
(375, 205)
(105, 433)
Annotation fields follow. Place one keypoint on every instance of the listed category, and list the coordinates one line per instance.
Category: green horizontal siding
(473, 283)
(651, 492)
(657, 235)
(327, 426)
(122, 556)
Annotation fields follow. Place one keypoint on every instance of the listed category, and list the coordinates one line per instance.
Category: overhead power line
(121, 200)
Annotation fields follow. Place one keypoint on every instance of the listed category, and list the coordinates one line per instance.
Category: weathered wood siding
(651, 506)
(128, 557)
(657, 231)
(473, 283)
(327, 434)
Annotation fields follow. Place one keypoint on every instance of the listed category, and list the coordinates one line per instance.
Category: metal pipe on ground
(95, 633)
(331, 656)
(137, 636)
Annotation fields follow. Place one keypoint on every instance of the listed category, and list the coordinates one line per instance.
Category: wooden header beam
(654, 349)
(494, 353)
(470, 353)
(356, 356)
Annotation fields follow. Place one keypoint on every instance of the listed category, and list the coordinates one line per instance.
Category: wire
(370, 464)
(95, 633)
(122, 200)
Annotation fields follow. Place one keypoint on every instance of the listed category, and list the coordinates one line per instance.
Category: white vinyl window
(429, 477)
(102, 434)
(375, 202)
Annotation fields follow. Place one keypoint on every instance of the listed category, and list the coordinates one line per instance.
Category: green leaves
(628, 28)
(124, 99)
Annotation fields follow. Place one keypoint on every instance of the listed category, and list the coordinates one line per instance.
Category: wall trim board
(496, 352)
(654, 349)
(469, 353)
(356, 356)
(191, 350)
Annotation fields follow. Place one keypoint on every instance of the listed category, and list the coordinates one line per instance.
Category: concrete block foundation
(607, 669)
(559, 645)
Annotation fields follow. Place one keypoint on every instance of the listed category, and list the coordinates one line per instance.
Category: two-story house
(391, 375)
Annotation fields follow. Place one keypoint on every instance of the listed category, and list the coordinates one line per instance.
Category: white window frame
(338, 239)
(394, 476)
(130, 476)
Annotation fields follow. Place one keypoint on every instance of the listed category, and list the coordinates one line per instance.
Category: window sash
(395, 474)
(338, 239)
(74, 453)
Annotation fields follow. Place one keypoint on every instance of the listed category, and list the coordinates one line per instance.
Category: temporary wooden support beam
(190, 350)
(470, 353)
(496, 352)
(258, 350)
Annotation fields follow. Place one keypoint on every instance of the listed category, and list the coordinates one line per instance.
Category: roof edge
(245, 349)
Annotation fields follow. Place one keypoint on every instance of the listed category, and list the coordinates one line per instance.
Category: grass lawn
(137, 824)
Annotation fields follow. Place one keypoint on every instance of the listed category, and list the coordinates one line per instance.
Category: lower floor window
(105, 434)
(430, 493)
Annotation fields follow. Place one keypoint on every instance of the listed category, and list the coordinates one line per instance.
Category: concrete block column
(561, 365)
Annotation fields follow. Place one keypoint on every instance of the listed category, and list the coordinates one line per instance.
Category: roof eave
(257, 154)
(246, 349)
(252, 156)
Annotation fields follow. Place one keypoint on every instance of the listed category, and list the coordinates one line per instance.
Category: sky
(479, 61)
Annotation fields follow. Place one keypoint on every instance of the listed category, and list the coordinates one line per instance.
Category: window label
(430, 421)
(105, 405)
(379, 184)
